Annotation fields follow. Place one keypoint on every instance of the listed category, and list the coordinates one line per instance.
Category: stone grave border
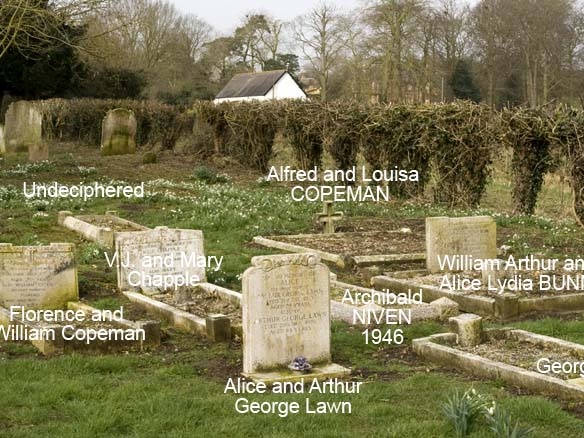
(103, 236)
(503, 307)
(217, 327)
(435, 349)
(60, 346)
(438, 310)
(341, 261)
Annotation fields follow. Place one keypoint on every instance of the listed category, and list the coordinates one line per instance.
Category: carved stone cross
(328, 217)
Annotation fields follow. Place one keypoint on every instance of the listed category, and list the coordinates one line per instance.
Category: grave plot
(42, 280)
(210, 310)
(541, 364)
(163, 270)
(491, 290)
(388, 308)
(101, 229)
(346, 249)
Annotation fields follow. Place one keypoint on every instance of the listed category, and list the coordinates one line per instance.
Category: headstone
(38, 276)
(23, 127)
(286, 315)
(2, 143)
(118, 132)
(474, 236)
(147, 257)
(328, 217)
(38, 152)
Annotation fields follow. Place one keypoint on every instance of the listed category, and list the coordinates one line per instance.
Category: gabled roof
(251, 84)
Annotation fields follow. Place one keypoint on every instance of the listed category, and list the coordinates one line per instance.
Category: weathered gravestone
(286, 315)
(118, 132)
(38, 276)
(38, 152)
(150, 260)
(2, 143)
(474, 236)
(23, 127)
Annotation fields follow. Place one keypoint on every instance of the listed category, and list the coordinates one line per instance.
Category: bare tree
(320, 34)
(394, 26)
(29, 25)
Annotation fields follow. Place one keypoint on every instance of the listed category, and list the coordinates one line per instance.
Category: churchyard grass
(178, 390)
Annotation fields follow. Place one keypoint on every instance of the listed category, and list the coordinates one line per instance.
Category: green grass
(180, 394)
(178, 390)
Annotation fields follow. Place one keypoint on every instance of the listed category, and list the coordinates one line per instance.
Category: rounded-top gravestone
(118, 132)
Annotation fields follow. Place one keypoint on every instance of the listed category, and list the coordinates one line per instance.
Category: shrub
(527, 133)
(253, 127)
(79, 120)
(208, 175)
(461, 138)
(149, 158)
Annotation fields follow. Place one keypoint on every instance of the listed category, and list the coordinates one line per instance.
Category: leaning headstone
(118, 132)
(23, 127)
(474, 236)
(38, 276)
(286, 318)
(149, 261)
(2, 143)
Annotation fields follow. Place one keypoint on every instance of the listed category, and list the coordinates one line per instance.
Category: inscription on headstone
(286, 311)
(118, 132)
(147, 257)
(38, 276)
(473, 236)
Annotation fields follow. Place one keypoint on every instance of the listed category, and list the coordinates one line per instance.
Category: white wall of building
(285, 88)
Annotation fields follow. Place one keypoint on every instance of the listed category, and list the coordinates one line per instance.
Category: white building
(267, 85)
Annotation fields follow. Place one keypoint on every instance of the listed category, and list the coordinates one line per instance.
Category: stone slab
(103, 236)
(38, 276)
(118, 132)
(38, 152)
(327, 371)
(134, 247)
(475, 236)
(286, 312)
(23, 127)
(2, 142)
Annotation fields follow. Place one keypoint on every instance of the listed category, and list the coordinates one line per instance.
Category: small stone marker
(38, 152)
(40, 277)
(328, 217)
(162, 252)
(2, 142)
(118, 132)
(461, 236)
(286, 314)
(468, 328)
(23, 127)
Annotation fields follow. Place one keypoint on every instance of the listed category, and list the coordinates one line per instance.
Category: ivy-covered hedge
(451, 145)
(80, 120)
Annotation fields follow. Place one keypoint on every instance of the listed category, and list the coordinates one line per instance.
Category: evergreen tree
(462, 82)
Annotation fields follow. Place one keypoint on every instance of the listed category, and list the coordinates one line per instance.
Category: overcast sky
(225, 15)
